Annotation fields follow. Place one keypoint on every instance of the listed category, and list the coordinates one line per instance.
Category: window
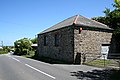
(45, 40)
(56, 40)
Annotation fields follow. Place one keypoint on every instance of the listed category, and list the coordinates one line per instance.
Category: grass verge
(99, 63)
(3, 52)
(29, 55)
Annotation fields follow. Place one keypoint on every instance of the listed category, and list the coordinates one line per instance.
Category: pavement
(20, 68)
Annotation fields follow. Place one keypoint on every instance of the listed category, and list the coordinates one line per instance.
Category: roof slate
(77, 20)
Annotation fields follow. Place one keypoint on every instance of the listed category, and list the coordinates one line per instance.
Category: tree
(100, 19)
(6, 48)
(116, 4)
(106, 11)
(34, 40)
(112, 19)
(22, 46)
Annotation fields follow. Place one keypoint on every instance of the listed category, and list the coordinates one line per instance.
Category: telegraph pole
(35, 36)
(2, 43)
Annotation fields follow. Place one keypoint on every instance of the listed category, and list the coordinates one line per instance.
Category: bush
(22, 46)
(3, 52)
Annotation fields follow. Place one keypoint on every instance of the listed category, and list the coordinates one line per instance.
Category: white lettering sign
(105, 49)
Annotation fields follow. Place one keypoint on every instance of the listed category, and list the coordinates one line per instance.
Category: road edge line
(40, 71)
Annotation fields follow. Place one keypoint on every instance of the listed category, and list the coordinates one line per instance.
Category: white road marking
(33, 68)
(15, 59)
(34, 60)
(40, 71)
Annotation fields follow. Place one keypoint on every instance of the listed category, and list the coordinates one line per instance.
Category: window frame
(56, 40)
(45, 40)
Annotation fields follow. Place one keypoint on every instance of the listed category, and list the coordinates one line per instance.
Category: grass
(99, 63)
(3, 52)
(29, 55)
(32, 55)
(50, 60)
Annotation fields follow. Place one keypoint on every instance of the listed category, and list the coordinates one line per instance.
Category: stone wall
(73, 46)
(64, 51)
(88, 43)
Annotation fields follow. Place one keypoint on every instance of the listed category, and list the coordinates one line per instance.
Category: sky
(26, 18)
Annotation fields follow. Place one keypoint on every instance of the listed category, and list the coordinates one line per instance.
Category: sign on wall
(104, 51)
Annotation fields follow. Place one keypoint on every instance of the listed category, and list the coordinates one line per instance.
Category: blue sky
(26, 18)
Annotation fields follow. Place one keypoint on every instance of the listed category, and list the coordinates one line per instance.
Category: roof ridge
(99, 22)
(76, 18)
(61, 22)
(95, 21)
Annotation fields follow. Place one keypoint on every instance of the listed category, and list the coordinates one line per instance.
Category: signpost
(104, 52)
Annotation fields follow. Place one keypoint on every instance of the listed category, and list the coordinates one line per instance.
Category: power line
(4, 21)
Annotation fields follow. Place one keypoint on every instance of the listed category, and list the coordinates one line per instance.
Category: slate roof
(77, 20)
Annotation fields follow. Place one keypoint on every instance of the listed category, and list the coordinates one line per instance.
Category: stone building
(75, 40)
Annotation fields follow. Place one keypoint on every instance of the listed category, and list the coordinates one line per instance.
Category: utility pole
(2, 43)
(35, 36)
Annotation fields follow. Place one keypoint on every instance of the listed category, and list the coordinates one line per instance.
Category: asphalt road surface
(19, 68)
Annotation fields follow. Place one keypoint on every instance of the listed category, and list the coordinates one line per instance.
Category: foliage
(30, 55)
(34, 40)
(22, 46)
(99, 63)
(2, 52)
(112, 19)
(106, 11)
(5, 49)
(117, 4)
(100, 19)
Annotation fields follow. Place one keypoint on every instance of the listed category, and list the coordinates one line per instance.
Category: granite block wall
(64, 51)
(74, 46)
(88, 43)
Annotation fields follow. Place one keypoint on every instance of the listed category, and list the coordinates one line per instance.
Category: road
(20, 68)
